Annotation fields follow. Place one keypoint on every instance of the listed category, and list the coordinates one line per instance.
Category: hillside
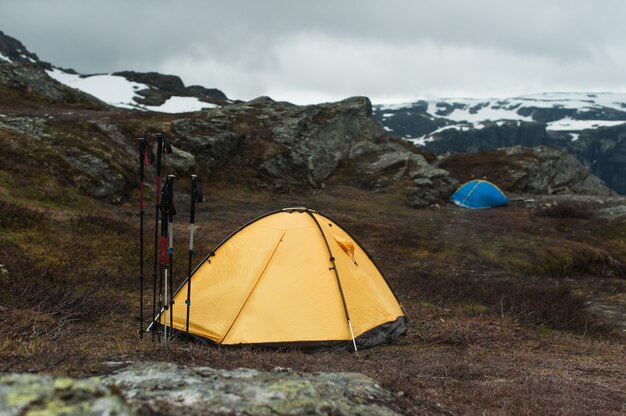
(514, 310)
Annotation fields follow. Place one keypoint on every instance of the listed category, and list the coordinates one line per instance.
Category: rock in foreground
(164, 388)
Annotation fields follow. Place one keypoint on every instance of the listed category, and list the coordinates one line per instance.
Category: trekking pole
(170, 249)
(167, 211)
(145, 158)
(162, 146)
(196, 196)
(163, 263)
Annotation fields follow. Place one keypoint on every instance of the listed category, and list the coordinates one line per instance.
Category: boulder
(22, 394)
(554, 171)
(169, 388)
(99, 178)
(165, 388)
(162, 87)
(211, 141)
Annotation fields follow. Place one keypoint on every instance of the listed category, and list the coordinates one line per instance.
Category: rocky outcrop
(295, 146)
(30, 81)
(538, 170)
(99, 178)
(428, 183)
(555, 172)
(212, 140)
(164, 388)
(604, 151)
(15, 51)
(162, 87)
(22, 394)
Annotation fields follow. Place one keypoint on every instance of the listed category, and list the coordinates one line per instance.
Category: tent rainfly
(290, 277)
(479, 194)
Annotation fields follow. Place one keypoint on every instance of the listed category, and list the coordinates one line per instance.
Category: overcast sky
(313, 51)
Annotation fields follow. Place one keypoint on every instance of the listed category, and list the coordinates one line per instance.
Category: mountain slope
(591, 126)
(133, 90)
(423, 120)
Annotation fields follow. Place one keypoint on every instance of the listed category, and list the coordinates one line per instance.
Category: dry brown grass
(485, 337)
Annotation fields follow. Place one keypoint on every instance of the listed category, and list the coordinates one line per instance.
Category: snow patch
(420, 141)
(387, 128)
(485, 114)
(574, 136)
(112, 89)
(181, 105)
(120, 92)
(568, 123)
(28, 58)
(4, 58)
(387, 115)
(384, 107)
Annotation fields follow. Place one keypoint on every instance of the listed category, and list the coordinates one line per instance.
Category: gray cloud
(325, 50)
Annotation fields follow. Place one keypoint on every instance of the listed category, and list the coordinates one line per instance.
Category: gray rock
(30, 126)
(430, 184)
(180, 160)
(17, 52)
(554, 171)
(165, 388)
(101, 179)
(169, 388)
(33, 81)
(34, 394)
(306, 145)
(212, 141)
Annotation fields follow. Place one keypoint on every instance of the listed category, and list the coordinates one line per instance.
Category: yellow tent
(289, 277)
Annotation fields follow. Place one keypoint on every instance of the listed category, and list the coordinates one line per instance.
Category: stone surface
(296, 146)
(162, 87)
(30, 394)
(150, 387)
(30, 126)
(212, 141)
(165, 388)
(555, 171)
(17, 52)
(32, 81)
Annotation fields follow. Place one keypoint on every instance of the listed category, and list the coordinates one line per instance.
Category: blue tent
(479, 194)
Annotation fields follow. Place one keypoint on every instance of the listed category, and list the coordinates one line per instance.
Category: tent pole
(334, 268)
(471, 192)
